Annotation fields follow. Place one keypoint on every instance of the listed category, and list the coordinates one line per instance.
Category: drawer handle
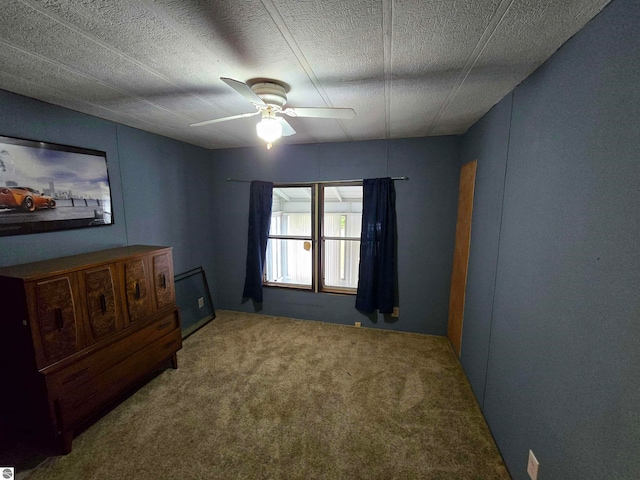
(163, 325)
(59, 319)
(137, 291)
(71, 378)
(164, 282)
(103, 303)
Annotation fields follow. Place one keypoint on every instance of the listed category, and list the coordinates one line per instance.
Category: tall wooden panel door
(461, 254)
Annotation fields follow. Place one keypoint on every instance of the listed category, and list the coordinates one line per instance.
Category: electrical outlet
(201, 302)
(396, 312)
(358, 324)
(532, 466)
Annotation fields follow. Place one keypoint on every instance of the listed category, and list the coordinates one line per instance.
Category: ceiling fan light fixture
(269, 98)
(269, 129)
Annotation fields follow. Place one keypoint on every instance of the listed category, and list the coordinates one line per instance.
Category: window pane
(342, 211)
(289, 261)
(341, 262)
(291, 211)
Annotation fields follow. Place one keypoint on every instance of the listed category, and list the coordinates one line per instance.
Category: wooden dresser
(77, 333)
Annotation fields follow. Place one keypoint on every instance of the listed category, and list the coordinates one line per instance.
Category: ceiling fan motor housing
(270, 93)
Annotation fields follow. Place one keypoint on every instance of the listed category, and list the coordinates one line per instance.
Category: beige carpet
(260, 397)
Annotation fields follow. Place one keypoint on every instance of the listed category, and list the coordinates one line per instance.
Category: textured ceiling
(409, 68)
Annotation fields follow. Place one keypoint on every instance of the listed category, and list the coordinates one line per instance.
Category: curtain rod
(321, 181)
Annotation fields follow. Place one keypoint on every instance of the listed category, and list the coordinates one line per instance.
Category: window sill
(290, 286)
(339, 291)
(309, 288)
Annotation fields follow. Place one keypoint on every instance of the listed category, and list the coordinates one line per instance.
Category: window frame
(317, 239)
(297, 286)
(321, 239)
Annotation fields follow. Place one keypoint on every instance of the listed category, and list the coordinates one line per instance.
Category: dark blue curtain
(377, 273)
(259, 220)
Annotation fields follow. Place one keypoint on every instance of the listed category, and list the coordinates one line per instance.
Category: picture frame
(45, 187)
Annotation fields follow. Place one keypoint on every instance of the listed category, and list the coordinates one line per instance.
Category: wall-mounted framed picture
(46, 187)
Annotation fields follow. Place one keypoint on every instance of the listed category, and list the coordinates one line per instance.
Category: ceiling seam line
(282, 27)
(112, 49)
(100, 107)
(387, 47)
(183, 32)
(482, 43)
(91, 77)
(178, 28)
(65, 94)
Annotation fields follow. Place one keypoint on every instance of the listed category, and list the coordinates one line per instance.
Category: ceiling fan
(269, 98)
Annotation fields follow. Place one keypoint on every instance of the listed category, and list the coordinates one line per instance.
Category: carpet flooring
(259, 397)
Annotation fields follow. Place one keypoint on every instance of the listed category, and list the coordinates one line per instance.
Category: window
(314, 239)
(289, 248)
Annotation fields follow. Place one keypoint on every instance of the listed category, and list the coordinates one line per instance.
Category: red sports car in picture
(25, 198)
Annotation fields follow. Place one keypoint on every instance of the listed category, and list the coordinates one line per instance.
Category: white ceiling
(409, 68)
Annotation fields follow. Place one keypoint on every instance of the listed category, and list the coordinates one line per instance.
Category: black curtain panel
(376, 282)
(259, 220)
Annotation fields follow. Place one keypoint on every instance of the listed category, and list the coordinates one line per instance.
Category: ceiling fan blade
(244, 90)
(224, 119)
(320, 112)
(287, 130)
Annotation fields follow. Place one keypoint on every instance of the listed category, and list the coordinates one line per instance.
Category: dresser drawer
(72, 377)
(75, 406)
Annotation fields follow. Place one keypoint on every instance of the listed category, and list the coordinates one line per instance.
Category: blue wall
(426, 207)
(487, 142)
(558, 341)
(167, 196)
(160, 187)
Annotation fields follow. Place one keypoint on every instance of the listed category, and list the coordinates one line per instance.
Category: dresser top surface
(45, 268)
